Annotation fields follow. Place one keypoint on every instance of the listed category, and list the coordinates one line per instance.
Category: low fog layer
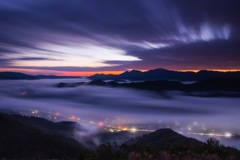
(121, 106)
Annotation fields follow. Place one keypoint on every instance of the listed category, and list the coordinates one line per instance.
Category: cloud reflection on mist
(123, 106)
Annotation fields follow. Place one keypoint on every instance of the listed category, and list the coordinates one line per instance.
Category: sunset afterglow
(78, 40)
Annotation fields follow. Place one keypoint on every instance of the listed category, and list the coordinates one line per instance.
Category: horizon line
(35, 72)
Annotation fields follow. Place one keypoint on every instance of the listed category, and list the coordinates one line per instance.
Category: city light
(114, 126)
(133, 129)
(228, 134)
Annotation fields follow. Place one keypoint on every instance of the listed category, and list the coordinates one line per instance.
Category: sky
(108, 36)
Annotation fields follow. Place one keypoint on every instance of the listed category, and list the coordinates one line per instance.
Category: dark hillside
(22, 140)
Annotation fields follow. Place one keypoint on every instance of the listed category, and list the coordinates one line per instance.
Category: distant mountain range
(22, 76)
(163, 74)
(155, 74)
(215, 87)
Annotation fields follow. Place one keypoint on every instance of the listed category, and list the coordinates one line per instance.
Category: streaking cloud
(87, 55)
(205, 32)
(116, 35)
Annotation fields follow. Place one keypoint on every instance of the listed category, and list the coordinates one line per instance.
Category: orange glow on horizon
(195, 71)
(217, 70)
(226, 70)
(58, 73)
(89, 73)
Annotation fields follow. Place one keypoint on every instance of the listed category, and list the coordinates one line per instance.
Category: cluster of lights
(35, 111)
(226, 135)
(101, 124)
(133, 129)
(119, 128)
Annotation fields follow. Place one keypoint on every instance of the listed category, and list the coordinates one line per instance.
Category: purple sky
(107, 35)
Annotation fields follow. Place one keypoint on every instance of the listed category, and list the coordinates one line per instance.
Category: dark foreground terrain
(24, 137)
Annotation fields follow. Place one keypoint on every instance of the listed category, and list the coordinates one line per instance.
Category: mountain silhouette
(22, 76)
(163, 136)
(215, 84)
(163, 74)
(16, 76)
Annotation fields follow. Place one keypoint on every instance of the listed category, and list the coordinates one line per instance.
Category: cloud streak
(119, 35)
